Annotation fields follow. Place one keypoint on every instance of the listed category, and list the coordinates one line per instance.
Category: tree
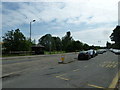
(47, 41)
(115, 36)
(66, 41)
(15, 41)
(86, 47)
(75, 46)
(108, 45)
(57, 43)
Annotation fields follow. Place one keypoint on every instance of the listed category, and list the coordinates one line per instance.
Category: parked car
(116, 51)
(92, 53)
(101, 51)
(96, 53)
(84, 55)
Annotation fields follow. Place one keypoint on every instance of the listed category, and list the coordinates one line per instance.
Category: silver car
(91, 52)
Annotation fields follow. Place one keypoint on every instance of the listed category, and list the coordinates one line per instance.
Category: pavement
(45, 72)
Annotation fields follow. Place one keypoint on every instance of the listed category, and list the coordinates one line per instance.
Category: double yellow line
(113, 83)
(115, 80)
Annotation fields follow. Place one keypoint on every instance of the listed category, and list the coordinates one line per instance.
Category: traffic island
(62, 59)
(67, 59)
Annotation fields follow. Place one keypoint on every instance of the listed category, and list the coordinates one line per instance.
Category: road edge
(115, 80)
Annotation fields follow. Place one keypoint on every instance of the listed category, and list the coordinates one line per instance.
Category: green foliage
(57, 43)
(115, 46)
(108, 45)
(74, 46)
(66, 44)
(67, 41)
(95, 47)
(115, 36)
(51, 43)
(86, 47)
(47, 41)
(15, 41)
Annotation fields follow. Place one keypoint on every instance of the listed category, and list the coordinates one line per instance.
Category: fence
(18, 52)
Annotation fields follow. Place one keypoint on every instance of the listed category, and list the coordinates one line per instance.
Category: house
(38, 49)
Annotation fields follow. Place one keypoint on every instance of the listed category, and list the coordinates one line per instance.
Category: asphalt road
(45, 72)
(23, 64)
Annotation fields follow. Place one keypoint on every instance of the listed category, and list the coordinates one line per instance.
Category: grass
(54, 52)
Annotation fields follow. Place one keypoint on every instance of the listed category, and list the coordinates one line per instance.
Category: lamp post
(30, 28)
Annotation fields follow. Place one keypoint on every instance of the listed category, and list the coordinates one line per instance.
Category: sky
(89, 21)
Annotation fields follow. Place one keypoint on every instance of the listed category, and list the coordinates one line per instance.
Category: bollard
(62, 59)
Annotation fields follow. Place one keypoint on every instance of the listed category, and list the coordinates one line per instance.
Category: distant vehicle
(96, 53)
(112, 50)
(101, 51)
(116, 51)
(84, 55)
(92, 53)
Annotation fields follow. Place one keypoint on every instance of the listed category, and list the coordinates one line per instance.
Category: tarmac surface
(45, 72)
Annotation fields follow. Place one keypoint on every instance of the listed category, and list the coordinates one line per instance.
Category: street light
(30, 28)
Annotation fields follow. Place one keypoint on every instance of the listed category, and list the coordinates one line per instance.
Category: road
(45, 72)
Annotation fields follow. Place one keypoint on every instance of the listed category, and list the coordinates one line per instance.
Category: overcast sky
(90, 21)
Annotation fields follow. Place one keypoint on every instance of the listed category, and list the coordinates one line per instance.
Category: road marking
(114, 81)
(114, 66)
(86, 66)
(107, 66)
(76, 70)
(111, 66)
(95, 86)
(62, 77)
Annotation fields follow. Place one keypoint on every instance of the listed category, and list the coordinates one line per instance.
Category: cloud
(59, 15)
(94, 36)
(101, 12)
(97, 36)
